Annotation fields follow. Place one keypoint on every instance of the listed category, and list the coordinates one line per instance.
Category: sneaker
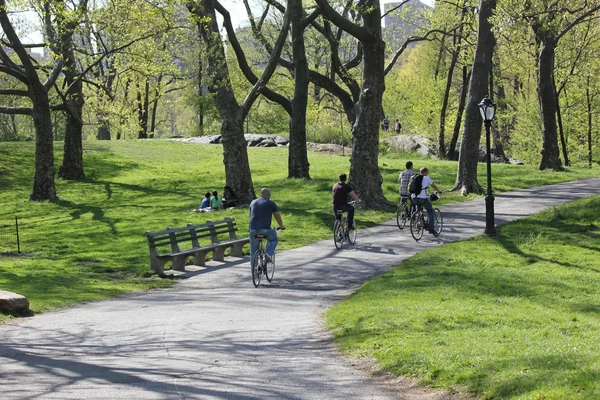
(268, 258)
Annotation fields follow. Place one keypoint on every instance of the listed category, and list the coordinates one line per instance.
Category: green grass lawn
(514, 317)
(90, 244)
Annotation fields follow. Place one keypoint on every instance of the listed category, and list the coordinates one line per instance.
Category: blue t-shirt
(205, 203)
(261, 211)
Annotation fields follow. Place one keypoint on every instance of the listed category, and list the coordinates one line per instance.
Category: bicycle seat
(260, 236)
(339, 212)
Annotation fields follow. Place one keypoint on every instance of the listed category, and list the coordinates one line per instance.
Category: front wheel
(438, 222)
(402, 215)
(338, 234)
(257, 267)
(352, 233)
(270, 268)
(417, 225)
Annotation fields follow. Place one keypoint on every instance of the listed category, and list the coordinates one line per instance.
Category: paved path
(215, 336)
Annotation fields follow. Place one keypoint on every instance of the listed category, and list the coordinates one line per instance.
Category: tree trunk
(298, 166)
(364, 167)
(547, 99)
(103, 132)
(142, 104)
(43, 181)
(441, 135)
(561, 131)
(589, 121)
(72, 165)
(466, 179)
(235, 150)
(459, 114)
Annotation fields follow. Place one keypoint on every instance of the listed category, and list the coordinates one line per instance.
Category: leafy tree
(466, 177)
(235, 155)
(37, 89)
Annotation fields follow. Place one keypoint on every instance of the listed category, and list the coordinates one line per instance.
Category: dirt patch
(405, 388)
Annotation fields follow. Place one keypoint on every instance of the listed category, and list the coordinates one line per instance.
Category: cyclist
(403, 180)
(261, 211)
(421, 198)
(339, 195)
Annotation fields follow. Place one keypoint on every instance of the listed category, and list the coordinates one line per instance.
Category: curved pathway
(216, 336)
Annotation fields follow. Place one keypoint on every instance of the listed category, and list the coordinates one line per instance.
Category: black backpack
(415, 184)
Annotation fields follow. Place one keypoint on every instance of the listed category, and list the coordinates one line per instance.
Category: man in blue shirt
(261, 211)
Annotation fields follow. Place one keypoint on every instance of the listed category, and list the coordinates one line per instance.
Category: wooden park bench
(197, 241)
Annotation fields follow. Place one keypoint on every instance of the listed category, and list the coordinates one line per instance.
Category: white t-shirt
(424, 184)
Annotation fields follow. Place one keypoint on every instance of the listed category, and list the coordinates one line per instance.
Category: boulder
(13, 302)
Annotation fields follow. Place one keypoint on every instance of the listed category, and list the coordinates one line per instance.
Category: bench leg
(179, 263)
(200, 259)
(219, 254)
(236, 250)
(158, 265)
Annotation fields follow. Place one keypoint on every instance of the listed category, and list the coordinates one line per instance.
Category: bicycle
(341, 231)
(419, 220)
(403, 213)
(261, 265)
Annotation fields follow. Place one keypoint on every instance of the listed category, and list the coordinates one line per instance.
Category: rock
(410, 143)
(13, 302)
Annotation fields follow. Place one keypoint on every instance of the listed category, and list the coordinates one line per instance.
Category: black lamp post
(487, 109)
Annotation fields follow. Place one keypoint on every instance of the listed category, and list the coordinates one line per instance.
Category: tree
(466, 177)
(235, 154)
(44, 187)
(364, 167)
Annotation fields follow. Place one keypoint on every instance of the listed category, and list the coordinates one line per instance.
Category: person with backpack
(418, 189)
(403, 180)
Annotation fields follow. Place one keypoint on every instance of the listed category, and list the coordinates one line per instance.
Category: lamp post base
(490, 228)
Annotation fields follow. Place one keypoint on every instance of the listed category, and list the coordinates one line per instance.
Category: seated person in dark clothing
(229, 198)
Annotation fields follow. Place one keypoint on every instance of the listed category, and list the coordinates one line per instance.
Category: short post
(17, 229)
(487, 109)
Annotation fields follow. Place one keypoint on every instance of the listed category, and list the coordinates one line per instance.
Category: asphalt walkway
(215, 336)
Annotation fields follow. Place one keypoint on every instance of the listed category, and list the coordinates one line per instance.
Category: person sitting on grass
(229, 198)
(215, 201)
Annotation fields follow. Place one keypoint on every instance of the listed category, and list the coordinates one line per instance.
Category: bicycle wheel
(438, 222)
(352, 233)
(270, 269)
(417, 225)
(402, 215)
(257, 267)
(338, 234)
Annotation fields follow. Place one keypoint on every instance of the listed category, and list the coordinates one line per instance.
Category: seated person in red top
(339, 194)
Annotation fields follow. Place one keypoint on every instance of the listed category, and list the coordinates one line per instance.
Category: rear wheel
(270, 268)
(402, 215)
(438, 222)
(352, 232)
(257, 267)
(417, 225)
(338, 234)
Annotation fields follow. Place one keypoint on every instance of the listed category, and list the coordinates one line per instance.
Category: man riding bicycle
(421, 198)
(261, 211)
(339, 195)
(403, 180)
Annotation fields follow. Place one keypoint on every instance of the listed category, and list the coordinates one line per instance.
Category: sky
(236, 9)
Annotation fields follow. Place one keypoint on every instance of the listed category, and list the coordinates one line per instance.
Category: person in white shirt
(422, 199)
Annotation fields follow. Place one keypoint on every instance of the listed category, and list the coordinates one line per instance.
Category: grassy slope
(90, 244)
(518, 318)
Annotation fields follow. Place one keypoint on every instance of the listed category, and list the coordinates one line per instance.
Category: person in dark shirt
(261, 211)
(339, 195)
(229, 198)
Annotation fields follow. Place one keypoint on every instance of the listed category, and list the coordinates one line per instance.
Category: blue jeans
(271, 238)
(425, 202)
(345, 207)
